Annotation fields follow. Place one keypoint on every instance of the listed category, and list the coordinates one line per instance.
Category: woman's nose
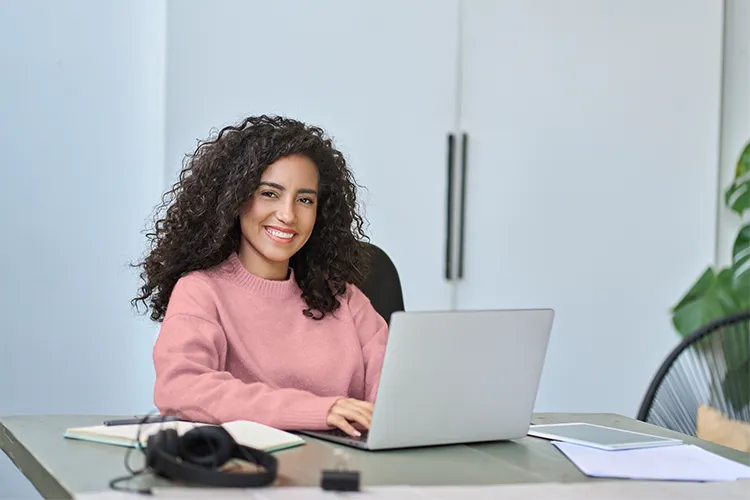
(286, 213)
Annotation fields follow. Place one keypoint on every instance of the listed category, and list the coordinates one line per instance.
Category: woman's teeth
(279, 234)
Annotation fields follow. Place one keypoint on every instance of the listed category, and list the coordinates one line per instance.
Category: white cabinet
(589, 174)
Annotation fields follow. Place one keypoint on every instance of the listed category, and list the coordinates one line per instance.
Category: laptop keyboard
(340, 433)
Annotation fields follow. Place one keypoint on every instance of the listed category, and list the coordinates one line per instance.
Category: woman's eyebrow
(282, 188)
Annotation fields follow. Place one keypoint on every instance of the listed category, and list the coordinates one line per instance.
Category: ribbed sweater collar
(234, 271)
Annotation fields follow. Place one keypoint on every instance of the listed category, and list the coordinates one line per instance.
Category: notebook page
(245, 433)
(260, 436)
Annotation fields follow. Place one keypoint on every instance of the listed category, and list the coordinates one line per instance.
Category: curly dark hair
(200, 227)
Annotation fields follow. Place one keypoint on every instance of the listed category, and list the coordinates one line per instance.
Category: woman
(252, 273)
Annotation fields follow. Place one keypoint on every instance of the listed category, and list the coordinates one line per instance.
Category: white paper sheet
(671, 463)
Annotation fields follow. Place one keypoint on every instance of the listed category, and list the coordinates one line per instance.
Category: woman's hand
(350, 411)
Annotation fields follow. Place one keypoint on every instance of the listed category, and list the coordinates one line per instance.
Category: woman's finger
(345, 426)
(355, 417)
(361, 406)
(354, 413)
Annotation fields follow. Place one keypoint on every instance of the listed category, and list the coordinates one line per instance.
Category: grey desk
(62, 468)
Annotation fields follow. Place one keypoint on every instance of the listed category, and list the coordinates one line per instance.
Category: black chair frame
(686, 342)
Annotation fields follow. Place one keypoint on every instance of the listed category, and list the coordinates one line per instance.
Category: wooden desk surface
(62, 468)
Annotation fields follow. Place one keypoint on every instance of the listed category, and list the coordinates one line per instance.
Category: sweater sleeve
(372, 330)
(189, 357)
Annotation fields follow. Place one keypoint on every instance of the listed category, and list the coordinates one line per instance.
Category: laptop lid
(459, 376)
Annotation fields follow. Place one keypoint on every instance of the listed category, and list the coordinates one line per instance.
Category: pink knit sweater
(234, 346)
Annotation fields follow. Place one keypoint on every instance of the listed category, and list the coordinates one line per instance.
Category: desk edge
(29, 466)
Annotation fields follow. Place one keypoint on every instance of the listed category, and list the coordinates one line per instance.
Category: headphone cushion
(207, 446)
(171, 445)
(165, 441)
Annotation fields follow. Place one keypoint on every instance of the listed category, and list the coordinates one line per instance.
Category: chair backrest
(382, 284)
(709, 367)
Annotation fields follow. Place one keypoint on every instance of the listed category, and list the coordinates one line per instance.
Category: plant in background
(721, 292)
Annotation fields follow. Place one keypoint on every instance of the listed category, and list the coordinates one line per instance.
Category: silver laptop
(456, 377)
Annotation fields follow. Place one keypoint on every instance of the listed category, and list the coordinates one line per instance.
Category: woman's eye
(308, 201)
(269, 194)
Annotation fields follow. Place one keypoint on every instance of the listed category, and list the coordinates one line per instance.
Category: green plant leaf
(737, 195)
(711, 297)
(741, 266)
(743, 163)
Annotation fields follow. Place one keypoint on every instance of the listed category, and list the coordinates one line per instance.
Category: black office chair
(709, 367)
(382, 284)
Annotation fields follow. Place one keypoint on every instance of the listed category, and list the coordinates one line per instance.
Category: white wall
(735, 118)
(81, 135)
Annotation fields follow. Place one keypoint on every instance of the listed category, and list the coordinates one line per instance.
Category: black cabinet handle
(449, 211)
(462, 207)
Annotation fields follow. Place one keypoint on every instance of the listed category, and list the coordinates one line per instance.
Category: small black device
(196, 456)
(340, 480)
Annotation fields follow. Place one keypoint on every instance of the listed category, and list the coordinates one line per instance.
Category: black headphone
(196, 456)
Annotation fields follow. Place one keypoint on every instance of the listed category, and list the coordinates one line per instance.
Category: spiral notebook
(244, 432)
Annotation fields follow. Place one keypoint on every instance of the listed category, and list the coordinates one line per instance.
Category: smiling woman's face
(279, 217)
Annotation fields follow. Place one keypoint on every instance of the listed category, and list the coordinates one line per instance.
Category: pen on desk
(141, 420)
